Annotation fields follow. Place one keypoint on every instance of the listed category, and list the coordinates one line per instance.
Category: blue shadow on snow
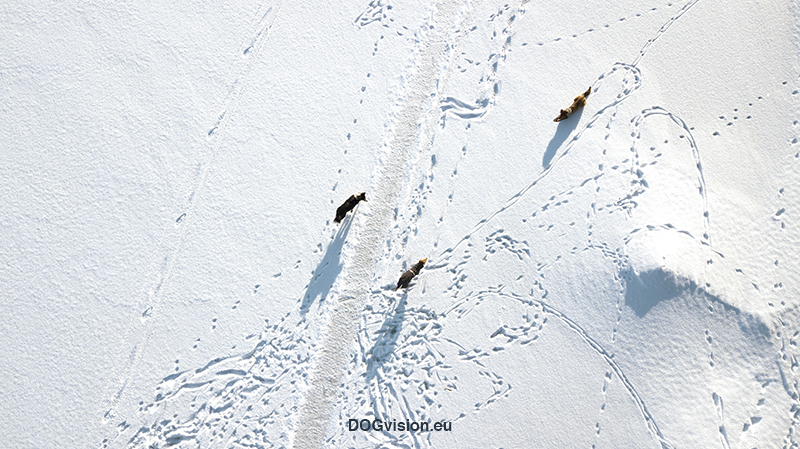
(328, 269)
(648, 288)
(388, 334)
(565, 127)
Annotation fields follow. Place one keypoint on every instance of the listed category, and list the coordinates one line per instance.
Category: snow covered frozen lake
(626, 278)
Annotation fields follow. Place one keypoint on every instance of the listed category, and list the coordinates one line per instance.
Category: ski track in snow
(663, 30)
(303, 377)
(636, 134)
(138, 334)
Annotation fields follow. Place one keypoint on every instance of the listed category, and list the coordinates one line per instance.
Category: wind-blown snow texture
(624, 278)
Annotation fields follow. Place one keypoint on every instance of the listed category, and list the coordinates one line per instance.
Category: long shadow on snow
(328, 269)
(388, 334)
(645, 290)
(565, 127)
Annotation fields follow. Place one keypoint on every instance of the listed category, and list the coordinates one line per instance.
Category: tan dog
(579, 102)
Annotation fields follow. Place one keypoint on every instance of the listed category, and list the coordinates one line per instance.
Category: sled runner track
(663, 30)
(651, 423)
(137, 336)
(624, 19)
(489, 86)
(626, 92)
(411, 129)
(636, 123)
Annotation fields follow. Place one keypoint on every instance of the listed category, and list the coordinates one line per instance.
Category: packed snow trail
(412, 128)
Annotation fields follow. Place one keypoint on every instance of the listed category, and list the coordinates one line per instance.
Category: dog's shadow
(328, 269)
(565, 128)
(384, 346)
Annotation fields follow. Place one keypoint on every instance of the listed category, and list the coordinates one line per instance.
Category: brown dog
(579, 102)
(409, 275)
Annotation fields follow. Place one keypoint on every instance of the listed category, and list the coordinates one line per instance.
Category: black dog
(348, 206)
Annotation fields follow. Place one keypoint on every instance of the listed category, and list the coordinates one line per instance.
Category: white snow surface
(626, 278)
